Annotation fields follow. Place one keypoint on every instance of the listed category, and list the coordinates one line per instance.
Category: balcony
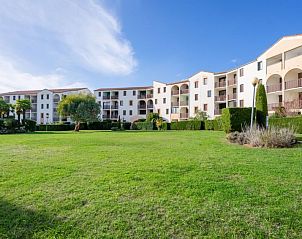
(106, 97)
(141, 107)
(106, 107)
(175, 92)
(150, 106)
(220, 84)
(220, 98)
(141, 96)
(273, 88)
(293, 84)
(114, 116)
(184, 103)
(217, 111)
(232, 96)
(149, 95)
(174, 104)
(184, 115)
(106, 116)
(184, 91)
(114, 97)
(232, 82)
(114, 107)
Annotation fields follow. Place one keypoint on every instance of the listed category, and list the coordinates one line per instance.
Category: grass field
(176, 184)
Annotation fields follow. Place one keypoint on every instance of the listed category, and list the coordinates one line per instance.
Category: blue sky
(105, 43)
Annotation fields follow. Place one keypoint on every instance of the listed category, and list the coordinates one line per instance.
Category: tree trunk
(19, 118)
(24, 117)
(77, 127)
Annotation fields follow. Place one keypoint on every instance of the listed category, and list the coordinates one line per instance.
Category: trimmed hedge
(166, 126)
(143, 126)
(30, 125)
(55, 127)
(295, 122)
(126, 125)
(234, 119)
(187, 125)
(215, 124)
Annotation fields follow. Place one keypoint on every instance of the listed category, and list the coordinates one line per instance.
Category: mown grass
(176, 184)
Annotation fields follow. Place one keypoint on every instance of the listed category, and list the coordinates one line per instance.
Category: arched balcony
(274, 83)
(293, 79)
(141, 105)
(184, 89)
(293, 89)
(175, 90)
(150, 104)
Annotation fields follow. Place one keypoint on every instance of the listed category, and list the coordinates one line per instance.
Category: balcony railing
(106, 116)
(174, 104)
(184, 115)
(293, 84)
(150, 106)
(273, 88)
(274, 106)
(232, 82)
(114, 116)
(220, 98)
(106, 107)
(106, 97)
(141, 107)
(114, 97)
(175, 92)
(184, 103)
(294, 104)
(114, 107)
(232, 96)
(220, 84)
(185, 91)
(217, 111)
(149, 95)
(141, 96)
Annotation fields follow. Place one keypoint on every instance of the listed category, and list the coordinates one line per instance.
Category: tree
(4, 108)
(261, 105)
(81, 108)
(159, 123)
(21, 107)
(201, 115)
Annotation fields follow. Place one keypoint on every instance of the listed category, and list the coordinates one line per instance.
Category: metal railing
(220, 84)
(174, 104)
(232, 96)
(232, 82)
(220, 98)
(274, 88)
(293, 84)
(175, 92)
(185, 91)
(184, 115)
(184, 103)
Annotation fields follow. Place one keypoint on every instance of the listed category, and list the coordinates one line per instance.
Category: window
(134, 92)
(158, 90)
(165, 89)
(205, 107)
(121, 103)
(164, 100)
(125, 93)
(259, 66)
(47, 96)
(196, 84)
(130, 112)
(158, 111)
(209, 93)
(241, 72)
(42, 97)
(130, 102)
(195, 109)
(42, 106)
(167, 111)
(47, 106)
(124, 112)
(196, 97)
(241, 88)
(42, 115)
(155, 101)
(100, 94)
(14, 97)
(19, 97)
(205, 81)
(241, 102)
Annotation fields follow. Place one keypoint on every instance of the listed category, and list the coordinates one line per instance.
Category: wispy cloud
(234, 60)
(72, 34)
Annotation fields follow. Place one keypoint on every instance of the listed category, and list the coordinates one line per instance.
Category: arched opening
(293, 89)
(184, 89)
(175, 90)
(274, 83)
(184, 112)
(142, 107)
(293, 79)
(150, 104)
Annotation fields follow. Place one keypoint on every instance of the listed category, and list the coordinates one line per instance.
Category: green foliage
(159, 123)
(215, 124)
(126, 125)
(4, 107)
(235, 119)
(55, 127)
(166, 126)
(30, 125)
(201, 116)
(261, 105)
(187, 125)
(21, 107)
(143, 126)
(294, 122)
(152, 117)
(80, 107)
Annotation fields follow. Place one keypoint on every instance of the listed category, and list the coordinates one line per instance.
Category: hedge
(55, 127)
(187, 125)
(215, 124)
(143, 126)
(235, 119)
(295, 122)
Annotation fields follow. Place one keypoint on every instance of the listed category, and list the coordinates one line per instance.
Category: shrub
(294, 122)
(237, 137)
(187, 125)
(166, 126)
(215, 124)
(55, 127)
(126, 125)
(235, 119)
(143, 126)
(261, 105)
(30, 125)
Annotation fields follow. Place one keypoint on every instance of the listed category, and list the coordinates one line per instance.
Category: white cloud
(77, 33)
(12, 78)
(234, 60)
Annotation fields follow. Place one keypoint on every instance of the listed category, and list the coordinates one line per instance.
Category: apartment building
(279, 68)
(44, 103)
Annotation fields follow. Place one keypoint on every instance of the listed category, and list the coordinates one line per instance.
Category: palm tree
(4, 107)
(21, 107)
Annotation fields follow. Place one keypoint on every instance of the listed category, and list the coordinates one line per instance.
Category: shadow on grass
(17, 222)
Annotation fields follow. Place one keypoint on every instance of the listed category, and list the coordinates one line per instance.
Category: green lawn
(147, 185)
